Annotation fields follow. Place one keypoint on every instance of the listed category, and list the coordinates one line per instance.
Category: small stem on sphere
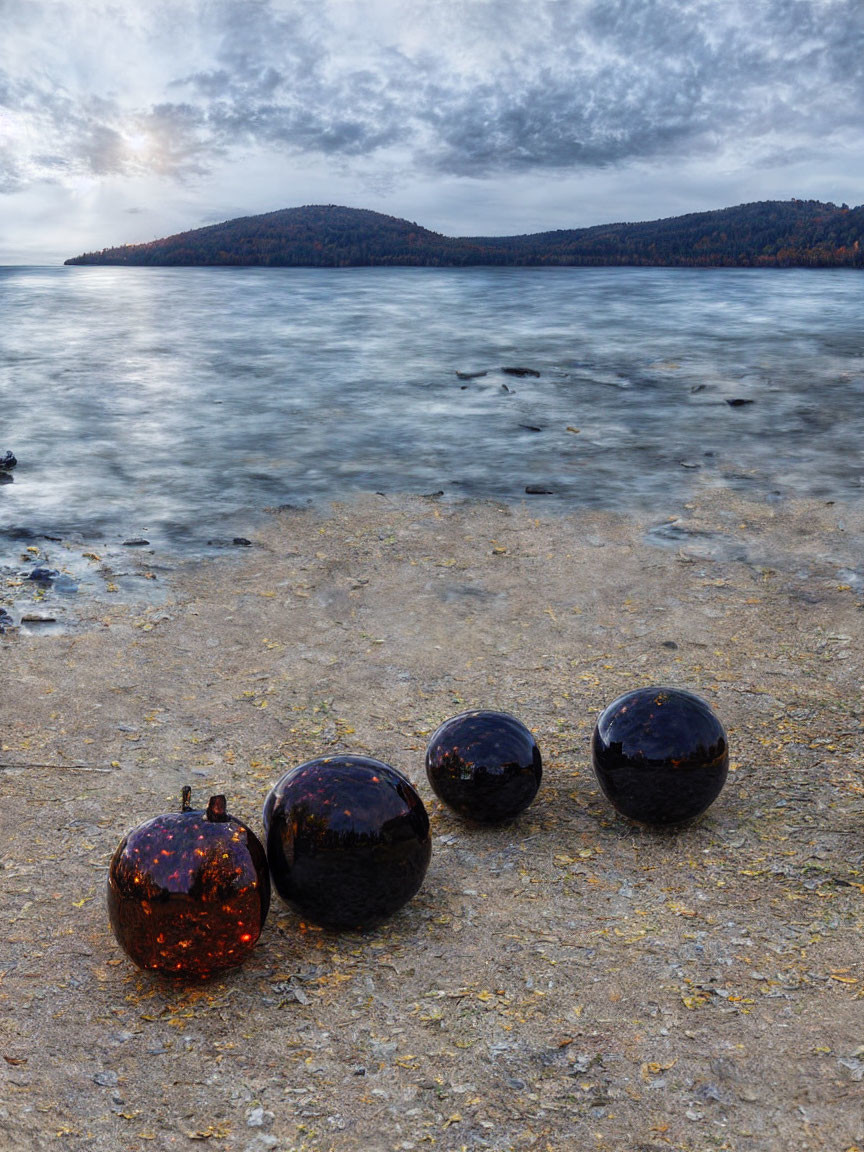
(216, 810)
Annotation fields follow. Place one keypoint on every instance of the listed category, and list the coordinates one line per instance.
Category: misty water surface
(175, 403)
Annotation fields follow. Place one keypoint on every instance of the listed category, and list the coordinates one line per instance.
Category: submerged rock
(738, 402)
(43, 575)
(470, 375)
(7, 462)
(521, 371)
(539, 490)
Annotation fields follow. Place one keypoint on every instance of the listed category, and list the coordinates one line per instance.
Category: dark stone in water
(242, 542)
(538, 490)
(521, 371)
(5, 478)
(470, 375)
(530, 427)
(7, 462)
(738, 402)
(43, 575)
(347, 840)
(6, 621)
(660, 755)
(484, 765)
(137, 543)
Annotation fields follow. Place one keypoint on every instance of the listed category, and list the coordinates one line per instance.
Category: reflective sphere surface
(660, 755)
(347, 839)
(484, 765)
(188, 892)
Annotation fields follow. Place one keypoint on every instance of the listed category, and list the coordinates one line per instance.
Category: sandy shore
(567, 981)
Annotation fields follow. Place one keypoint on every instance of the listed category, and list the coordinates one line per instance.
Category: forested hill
(771, 233)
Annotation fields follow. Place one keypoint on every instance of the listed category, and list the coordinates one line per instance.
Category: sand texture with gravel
(566, 981)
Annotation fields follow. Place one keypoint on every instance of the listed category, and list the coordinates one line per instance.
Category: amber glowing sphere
(484, 765)
(660, 755)
(347, 839)
(188, 892)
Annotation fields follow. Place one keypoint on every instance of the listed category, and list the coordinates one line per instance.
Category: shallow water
(173, 403)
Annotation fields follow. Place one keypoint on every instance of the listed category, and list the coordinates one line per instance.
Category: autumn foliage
(772, 233)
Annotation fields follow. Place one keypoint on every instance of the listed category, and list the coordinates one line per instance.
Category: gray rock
(259, 1118)
(43, 575)
(263, 1142)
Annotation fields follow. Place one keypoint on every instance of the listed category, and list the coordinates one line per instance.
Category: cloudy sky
(124, 120)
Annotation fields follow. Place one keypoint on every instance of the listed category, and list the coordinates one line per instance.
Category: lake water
(176, 403)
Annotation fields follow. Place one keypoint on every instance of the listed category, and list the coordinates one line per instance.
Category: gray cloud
(574, 87)
(275, 83)
(101, 149)
(10, 174)
(494, 88)
(653, 78)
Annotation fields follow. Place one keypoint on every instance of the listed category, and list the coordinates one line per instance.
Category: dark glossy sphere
(347, 839)
(660, 755)
(484, 765)
(188, 892)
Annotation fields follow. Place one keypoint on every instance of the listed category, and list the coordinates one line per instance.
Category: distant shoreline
(773, 233)
(465, 267)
